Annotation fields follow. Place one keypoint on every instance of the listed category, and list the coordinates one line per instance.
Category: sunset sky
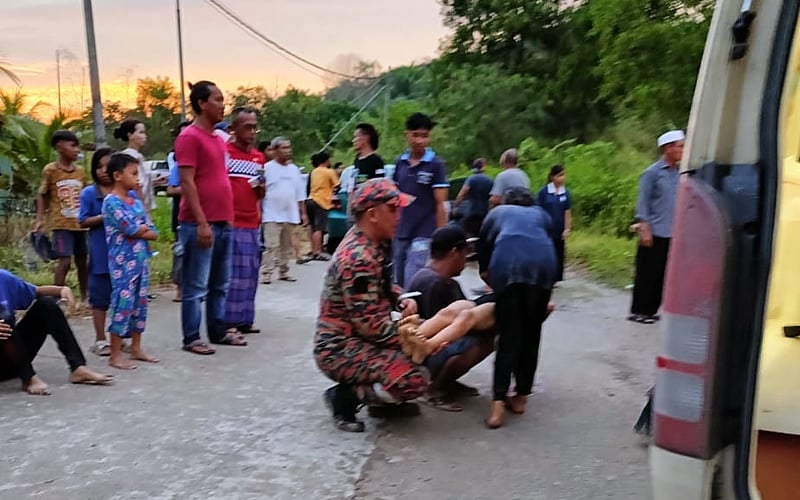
(137, 38)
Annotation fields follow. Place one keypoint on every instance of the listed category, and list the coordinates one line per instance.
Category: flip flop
(107, 381)
(441, 403)
(199, 347)
(101, 348)
(290, 279)
(232, 339)
(638, 318)
(248, 329)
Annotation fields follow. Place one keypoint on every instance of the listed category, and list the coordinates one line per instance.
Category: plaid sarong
(240, 307)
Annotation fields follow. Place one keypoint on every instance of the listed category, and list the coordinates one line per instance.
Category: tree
(155, 93)
(8, 73)
(255, 97)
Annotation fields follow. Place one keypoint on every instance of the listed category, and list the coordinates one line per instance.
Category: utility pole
(180, 59)
(387, 91)
(94, 76)
(58, 78)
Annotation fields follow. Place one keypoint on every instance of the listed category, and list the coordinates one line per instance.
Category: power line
(244, 25)
(257, 36)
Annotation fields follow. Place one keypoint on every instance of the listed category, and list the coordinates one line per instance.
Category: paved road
(250, 423)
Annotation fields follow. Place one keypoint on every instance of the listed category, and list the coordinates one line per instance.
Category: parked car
(159, 171)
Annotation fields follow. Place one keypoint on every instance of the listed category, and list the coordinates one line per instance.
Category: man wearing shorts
(323, 184)
(59, 201)
(438, 288)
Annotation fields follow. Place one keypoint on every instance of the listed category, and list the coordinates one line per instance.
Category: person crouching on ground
(128, 230)
(438, 290)
(356, 343)
(21, 342)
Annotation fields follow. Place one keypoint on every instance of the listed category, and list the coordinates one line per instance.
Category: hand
(205, 238)
(645, 237)
(408, 307)
(565, 234)
(66, 296)
(160, 181)
(5, 330)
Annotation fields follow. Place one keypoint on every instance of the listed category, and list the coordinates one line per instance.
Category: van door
(718, 272)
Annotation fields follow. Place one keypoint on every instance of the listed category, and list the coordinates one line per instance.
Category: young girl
(91, 218)
(556, 201)
(133, 134)
(128, 230)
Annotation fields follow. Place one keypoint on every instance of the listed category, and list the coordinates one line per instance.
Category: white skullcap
(670, 137)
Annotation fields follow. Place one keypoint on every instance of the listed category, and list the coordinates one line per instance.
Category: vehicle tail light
(686, 363)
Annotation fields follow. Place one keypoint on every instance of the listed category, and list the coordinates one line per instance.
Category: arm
(300, 190)
(496, 194)
(485, 245)
(367, 310)
(41, 200)
(463, 193)
(643, 215)
(567, 222)
(122, 219)
(84, 219)
(440, 195)
(57, 292)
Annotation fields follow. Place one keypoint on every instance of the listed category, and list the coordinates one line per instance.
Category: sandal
(248, 329)
(322, 257)
(290, 279)
(232, 338)
(640, 318)
(199, 347)
(101, 348)
(441, 402)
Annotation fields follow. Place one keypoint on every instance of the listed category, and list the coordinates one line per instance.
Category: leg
(661, 252)
(240, 300)
(558, 244)
(444, 318)
(458, 365)
(272, 237)
(399, 251)
(81, 252)
(535, 300)
(123, 296)
(416, 257)
(139, 320)
(177, 269)
(100, 300)
(194, 285)
(287, 235)
(219, 281)
(510, 325)
(643, 282)
(62, 248)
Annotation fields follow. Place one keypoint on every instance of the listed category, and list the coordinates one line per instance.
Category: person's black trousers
(520, 311)
(651, 262)
(44, 317)
(560, 247)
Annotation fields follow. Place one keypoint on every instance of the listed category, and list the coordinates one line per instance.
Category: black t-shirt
(437, 292)
(368, 168)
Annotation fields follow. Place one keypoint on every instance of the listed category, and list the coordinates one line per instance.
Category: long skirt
(240, 306)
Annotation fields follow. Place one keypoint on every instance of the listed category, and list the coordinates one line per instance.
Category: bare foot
(120, 363)
(36, 387)
(516, 404)
(83, 375)
(143, 356)
(495, 418)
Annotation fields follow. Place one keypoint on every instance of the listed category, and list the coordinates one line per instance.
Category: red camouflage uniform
(356, 342)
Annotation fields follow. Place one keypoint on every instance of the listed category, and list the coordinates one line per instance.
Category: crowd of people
(239, 213)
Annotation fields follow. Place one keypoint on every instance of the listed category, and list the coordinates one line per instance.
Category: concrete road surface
(249, 423)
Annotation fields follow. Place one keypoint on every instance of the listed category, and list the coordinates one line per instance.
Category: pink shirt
(205, 152)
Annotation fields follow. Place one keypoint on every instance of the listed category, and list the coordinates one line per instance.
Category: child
(91, 217)
(128, 230)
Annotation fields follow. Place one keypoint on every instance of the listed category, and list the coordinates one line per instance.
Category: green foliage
(606, 258)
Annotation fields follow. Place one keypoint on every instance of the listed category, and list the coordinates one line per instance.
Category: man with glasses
(356, 343)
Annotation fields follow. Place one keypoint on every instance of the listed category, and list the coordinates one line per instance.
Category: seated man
(438, 290)
(20, 342)
(356, 342)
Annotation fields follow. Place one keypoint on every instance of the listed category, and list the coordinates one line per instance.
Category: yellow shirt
(323, 180)
(63, 196)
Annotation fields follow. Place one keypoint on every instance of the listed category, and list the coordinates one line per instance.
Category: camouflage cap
(377, 191)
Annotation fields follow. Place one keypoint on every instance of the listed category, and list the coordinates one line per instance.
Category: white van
(726, 409)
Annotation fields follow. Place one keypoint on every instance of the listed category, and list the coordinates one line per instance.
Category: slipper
(463, 390)
(290, 279)
(177, 300)
(107, 381)
(248, 329)
(440, 403)
(101, 348)
(266, 281)
(638, 318)
(199, 347)
(232, 339)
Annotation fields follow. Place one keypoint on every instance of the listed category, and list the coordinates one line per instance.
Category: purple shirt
(418, 220)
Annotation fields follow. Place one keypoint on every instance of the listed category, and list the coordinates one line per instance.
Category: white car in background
(159, 173)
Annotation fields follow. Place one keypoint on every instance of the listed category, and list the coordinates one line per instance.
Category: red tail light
(693, 298)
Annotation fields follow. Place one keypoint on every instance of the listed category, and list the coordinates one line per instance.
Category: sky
(137, 38)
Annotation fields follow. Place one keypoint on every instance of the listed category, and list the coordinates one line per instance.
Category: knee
(46, 305)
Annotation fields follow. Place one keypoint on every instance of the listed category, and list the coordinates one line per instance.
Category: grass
(608, 259)
(12, 258)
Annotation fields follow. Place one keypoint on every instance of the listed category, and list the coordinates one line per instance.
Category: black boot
(342, 401)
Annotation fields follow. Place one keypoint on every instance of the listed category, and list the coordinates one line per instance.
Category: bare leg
(83, 276)
(99, 322)
(62, 268)
(136, 349)
(444, 318)
(478, 318)
(316, 242)
(115, 359)
(36, 387)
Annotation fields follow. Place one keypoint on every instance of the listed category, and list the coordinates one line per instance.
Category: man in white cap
(655, 207)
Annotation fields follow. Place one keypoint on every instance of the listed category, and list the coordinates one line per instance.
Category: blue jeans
(206, 273)
(408, 257)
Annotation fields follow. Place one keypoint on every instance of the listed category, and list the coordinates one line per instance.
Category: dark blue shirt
(480, 185)
(418, 220)
(515, 247)
(91, 206)
(556, 203)
(15, 295)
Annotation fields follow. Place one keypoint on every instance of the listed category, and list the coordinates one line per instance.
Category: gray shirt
(658, 189)
(511, 177)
